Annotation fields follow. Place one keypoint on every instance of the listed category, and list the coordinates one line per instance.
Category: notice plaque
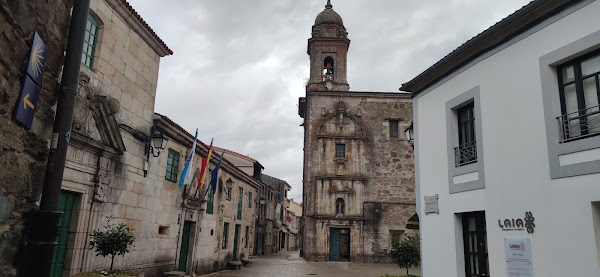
(431, 204)
(518, 257)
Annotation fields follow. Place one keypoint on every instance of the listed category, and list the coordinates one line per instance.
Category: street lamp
(410, 134)
(229, 184)
(154, 144)
(158, 141)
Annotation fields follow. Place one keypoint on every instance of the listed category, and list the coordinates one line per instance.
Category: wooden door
(185, 243)
(235, 242)
(334, 244)
(65, 205)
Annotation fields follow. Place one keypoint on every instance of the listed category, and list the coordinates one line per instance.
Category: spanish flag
(205, 163)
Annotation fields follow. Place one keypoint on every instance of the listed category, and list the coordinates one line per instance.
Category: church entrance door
(339, 244)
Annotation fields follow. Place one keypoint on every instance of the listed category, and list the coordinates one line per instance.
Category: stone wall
(106, 160)
(23, 153)
(375, 178)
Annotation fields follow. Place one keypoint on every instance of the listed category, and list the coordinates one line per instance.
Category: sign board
(33, 82)
(27, 103)
(431, 204)
(518, 224)
(37, 60)
(518, 257)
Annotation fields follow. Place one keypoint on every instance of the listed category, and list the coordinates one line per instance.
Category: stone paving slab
(290, 264)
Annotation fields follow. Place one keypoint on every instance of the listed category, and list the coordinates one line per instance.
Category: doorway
(339, 244)
(475, 244)
(235, 242)
(185, 245)
(65, 205)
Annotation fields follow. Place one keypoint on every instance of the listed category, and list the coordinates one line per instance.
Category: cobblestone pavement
(289, 264)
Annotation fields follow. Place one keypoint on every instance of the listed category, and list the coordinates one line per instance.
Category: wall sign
(431, 204)
(518, 257)
(33, 82)
(518, 224)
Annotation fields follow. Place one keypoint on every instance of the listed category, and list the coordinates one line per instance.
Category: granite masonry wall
(23, 153)
(375, 179)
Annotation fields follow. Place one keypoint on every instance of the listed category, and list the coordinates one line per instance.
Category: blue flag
(185, 174)
(215, 174)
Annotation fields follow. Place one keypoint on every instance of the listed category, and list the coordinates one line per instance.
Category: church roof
(329, 16)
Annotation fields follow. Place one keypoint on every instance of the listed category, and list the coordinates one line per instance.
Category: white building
(508, 124)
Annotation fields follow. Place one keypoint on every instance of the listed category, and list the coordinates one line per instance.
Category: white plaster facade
(515, 89)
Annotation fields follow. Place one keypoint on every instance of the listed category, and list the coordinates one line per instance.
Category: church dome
(329, 16)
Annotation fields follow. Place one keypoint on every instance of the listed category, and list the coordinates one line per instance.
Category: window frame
(210, 201)
(249, 199)
(337, 151)
(172, 156)
(394, 123)
(552, 107)
(93, 24)
(579, 91)
(240, 203)
(225, 235)
(469, 176)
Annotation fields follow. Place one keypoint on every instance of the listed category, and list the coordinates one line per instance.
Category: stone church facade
(358, 175)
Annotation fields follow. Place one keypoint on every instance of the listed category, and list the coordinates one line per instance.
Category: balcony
(580, 124)
(465, 154)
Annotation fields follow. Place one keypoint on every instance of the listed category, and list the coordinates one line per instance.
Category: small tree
(115, 240)
(405, 252)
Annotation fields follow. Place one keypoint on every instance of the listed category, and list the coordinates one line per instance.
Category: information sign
(27, 103)
(37, 60)
(518, 257)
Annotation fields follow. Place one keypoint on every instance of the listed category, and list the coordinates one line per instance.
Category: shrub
(115, 240)
(405, 252)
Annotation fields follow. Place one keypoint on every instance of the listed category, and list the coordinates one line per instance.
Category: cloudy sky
(239, 66)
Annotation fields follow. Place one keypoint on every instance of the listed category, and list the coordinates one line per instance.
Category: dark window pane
(393, 128)
(340, 150)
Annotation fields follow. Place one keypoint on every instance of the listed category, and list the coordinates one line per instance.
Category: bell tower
(328, 51)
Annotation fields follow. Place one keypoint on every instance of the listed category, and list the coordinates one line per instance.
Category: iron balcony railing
(579, 124)
(465, 154)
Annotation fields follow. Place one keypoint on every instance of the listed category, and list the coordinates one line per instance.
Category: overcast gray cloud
(239, 66)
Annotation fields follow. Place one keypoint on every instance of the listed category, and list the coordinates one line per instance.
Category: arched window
(328, 66)
(340, 206)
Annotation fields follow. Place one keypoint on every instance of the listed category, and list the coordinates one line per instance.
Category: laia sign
(518, 224)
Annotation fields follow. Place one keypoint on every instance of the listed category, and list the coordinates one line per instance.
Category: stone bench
(234, 265)
(174, 273)
(246, 262)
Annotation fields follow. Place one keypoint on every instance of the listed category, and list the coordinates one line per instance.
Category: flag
(205, 163)
(215, 174)
(185, 174)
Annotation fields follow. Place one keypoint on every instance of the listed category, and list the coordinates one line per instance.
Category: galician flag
(215, 174)
(205, 163)
(185, 174)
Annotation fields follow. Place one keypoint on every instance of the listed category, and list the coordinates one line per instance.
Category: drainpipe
(42, 225)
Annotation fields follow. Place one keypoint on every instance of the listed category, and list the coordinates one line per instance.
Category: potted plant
(114, 241)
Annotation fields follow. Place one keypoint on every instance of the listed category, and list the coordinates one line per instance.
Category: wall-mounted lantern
(156, 143)
(410, 134)
(229, 184)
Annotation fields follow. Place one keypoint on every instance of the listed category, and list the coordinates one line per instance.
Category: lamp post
(410, 134)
